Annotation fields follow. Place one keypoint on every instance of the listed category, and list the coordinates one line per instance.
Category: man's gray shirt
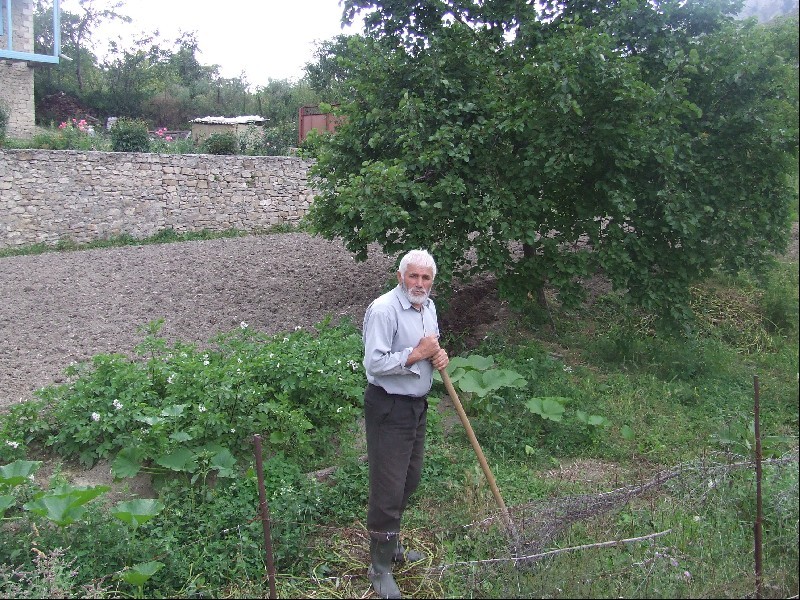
(392, 328)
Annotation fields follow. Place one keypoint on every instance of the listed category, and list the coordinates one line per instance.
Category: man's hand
(428, 346)
(440, 360)
(428, 349)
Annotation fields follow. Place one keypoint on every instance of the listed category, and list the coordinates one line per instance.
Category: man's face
(416, 283)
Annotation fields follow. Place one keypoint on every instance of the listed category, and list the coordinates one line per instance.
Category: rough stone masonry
(52, 195)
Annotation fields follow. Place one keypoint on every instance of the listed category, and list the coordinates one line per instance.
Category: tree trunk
(529, 252)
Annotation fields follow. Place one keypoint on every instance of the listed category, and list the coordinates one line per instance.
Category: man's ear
(399, 277)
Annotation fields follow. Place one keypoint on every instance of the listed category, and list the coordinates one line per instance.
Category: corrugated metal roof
(244, 120)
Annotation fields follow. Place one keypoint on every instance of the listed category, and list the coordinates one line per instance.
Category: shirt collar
(404, 301)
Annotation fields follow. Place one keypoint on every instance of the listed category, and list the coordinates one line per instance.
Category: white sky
(262, 39)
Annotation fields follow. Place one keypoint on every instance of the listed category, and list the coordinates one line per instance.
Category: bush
(220, 143)
(129, 135)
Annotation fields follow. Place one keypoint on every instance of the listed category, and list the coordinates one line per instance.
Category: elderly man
(401, 350)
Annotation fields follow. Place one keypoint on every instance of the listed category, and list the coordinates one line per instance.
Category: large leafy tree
(647, 140)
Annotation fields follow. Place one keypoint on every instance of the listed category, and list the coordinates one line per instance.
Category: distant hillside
(766, 10)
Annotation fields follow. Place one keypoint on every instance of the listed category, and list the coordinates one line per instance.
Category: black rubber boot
(380, 571)
(401, 555)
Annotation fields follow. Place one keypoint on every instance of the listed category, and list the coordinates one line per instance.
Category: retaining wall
(50, 195)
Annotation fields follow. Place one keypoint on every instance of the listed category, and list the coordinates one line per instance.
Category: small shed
(203, 127)
(311, 117)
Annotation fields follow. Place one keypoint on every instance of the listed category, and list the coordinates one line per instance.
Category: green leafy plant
(136, 512)
(138, 575)
(187, 409)
(130, 135)
(64, 504)
(221, 143)
(480, 381)
(13, 475)
(738, 436)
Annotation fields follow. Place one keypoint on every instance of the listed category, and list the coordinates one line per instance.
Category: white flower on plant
(340, 409)
(117, 404)
(567, 369)
(286, 339)
(271, 355)
(201, 408)
(205, 362)
(171, 378)
(233, 430)
(12, 444)
(243, 325)
(298, 327)
(239, 360)
(696, 518)
(95, 416)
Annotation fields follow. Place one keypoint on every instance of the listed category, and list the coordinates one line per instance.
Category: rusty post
(759, 508)
(262, 497)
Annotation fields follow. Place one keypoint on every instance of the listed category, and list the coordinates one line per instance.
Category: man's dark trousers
(395, 427)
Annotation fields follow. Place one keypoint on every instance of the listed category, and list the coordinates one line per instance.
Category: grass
(164, 236)
(675, 405)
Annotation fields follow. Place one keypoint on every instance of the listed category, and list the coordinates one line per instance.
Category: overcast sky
(264, 39)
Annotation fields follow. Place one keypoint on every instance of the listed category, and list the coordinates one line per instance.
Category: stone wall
(16, 77)
(52, 195)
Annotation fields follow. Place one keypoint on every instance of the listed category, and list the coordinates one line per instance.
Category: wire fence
(342, 572)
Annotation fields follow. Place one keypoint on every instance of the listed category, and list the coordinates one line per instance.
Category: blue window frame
(7, 30)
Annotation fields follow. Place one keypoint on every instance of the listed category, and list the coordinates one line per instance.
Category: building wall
(52, 195)
(202, 131)
(16, 77)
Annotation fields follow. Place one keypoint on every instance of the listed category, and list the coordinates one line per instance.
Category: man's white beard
(412, 297)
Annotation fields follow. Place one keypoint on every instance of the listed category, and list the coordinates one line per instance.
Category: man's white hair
(420, 258)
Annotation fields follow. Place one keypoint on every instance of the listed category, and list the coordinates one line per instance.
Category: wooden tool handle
(481, 458)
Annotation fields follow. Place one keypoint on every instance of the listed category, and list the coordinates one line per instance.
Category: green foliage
(658, 411)
(480, 382)
(158, 81)
(221, 143)
(3, 125)
(780, 300)
(130, 135)
(67, 137)
(163, 236)
(184, 408)
(551, 150)
(64, 504)
(312, 144)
